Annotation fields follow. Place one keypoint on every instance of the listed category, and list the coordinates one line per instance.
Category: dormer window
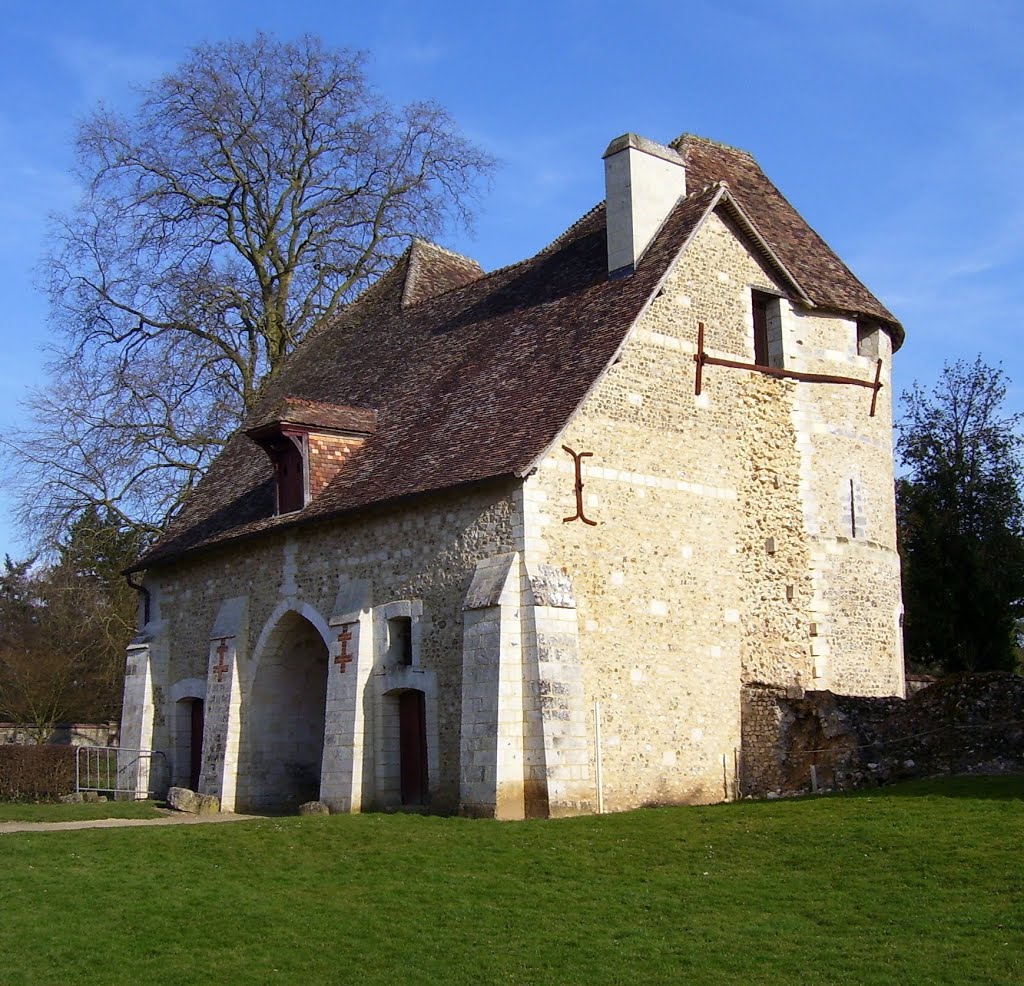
(290, 467)
(289, 458)
(308, 442)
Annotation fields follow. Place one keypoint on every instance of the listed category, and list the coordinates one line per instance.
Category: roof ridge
(442, 249)
(714, 143)
(367, 294)
(565, 233)
(545, 249)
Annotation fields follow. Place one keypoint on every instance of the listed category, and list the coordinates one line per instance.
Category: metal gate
(121, 773)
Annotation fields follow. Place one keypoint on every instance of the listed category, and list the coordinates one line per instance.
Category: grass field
(920, 884)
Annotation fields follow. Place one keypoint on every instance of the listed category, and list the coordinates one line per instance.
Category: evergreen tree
(64, 628)
(961, 522)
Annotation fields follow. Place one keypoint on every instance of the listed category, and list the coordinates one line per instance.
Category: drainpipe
(144, 592)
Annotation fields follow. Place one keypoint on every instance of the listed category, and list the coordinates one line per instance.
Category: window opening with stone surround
(867, 339)
(400, 641)
(704, 359)
(766, 310)
(406, 713)
(853, 522)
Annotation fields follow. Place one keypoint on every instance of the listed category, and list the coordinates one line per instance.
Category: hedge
(36, 773)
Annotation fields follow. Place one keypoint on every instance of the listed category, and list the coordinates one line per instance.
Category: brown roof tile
(827, 280)
(473, 376)
(432, 270)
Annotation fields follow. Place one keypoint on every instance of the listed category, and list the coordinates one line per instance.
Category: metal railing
(121, 773)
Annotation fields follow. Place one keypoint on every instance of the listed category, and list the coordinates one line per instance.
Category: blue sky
(896, 128)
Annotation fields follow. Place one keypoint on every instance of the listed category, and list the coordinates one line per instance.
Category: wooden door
(412, 747)
(196, 744)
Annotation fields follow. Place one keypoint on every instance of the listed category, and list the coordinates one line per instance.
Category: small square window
(400, 641)
(867, 339)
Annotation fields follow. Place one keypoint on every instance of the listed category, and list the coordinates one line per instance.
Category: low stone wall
(961, 724)
(63, 734)
(763, 717)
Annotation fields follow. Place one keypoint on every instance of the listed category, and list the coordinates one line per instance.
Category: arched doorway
(282, 739)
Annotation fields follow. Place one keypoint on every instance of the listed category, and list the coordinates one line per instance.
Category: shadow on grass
(1003, 787)
(985, 787)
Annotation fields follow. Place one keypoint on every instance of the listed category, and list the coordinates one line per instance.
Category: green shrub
(36, 773)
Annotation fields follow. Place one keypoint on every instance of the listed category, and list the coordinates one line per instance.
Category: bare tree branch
(253, 192)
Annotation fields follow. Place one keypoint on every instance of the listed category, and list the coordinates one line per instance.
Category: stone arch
(283, 713)
(310, 613)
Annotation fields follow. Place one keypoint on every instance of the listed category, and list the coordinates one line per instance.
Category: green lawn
(919, 884)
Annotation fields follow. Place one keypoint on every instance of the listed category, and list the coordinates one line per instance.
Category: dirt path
(172, 818)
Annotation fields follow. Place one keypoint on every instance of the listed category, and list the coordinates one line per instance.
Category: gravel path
(172, 818)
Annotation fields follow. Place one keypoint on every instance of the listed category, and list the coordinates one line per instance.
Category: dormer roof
(431, 271)
(316, 415)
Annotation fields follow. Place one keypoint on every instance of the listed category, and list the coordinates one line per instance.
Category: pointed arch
(284, 712)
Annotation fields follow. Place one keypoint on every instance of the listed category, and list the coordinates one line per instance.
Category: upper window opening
(400, 640)
(767, 314)
(308, 443)
(867, 339)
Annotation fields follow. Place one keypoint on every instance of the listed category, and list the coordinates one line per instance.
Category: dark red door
(196, 744)
(412, 746)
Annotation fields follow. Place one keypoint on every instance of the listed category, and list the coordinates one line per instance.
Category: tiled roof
(829, 283)
(472, 376)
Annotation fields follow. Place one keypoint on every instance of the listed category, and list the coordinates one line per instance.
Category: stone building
(519, 543)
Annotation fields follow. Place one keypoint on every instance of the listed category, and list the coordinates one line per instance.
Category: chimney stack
(643, 181)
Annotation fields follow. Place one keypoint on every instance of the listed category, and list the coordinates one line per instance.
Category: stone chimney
(643, 181)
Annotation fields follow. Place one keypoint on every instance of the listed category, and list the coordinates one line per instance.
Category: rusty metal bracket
(576, 457)
(702, 359)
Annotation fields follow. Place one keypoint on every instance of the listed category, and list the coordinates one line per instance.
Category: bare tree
(252, 192)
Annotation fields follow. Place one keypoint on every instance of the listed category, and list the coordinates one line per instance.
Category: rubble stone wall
(961, 724)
